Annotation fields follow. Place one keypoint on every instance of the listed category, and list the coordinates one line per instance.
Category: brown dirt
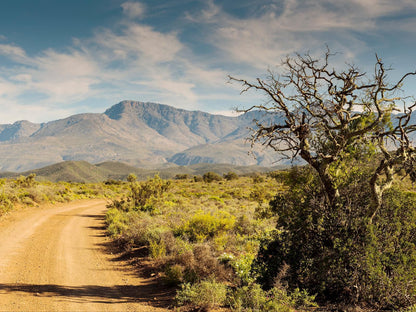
(55, 259)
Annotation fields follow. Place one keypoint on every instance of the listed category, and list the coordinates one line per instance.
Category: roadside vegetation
(203, 235)
(27, 191)
(269, 243)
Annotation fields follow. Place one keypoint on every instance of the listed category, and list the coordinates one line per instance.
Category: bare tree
(327, 115)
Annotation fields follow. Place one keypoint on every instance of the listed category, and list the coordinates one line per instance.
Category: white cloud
(133, 9)
(62, 77)
(287, 26)
(8, 89)
(22, 78)
(14, 52)
(174, 91)
(12, 111)
(140, 42)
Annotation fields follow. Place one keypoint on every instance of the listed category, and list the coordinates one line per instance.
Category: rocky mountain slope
(136, 133)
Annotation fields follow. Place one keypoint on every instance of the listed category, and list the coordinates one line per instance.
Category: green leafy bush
(157, 249)
(207, 294)
(26, 181)
(211, 177)
(252, 298)
(143, 194)
(203, 226)
(174, 274)
(242, 267)
(6, 204)
(231, 176)
(117, 222)
(184, 176)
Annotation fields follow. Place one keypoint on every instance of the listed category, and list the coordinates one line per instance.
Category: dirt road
(54, 260)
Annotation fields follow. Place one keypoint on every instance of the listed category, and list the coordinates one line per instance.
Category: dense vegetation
(336, 252)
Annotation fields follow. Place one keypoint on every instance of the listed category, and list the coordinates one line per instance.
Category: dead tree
(328, 114)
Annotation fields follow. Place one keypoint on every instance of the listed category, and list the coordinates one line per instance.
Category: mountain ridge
(136, 133)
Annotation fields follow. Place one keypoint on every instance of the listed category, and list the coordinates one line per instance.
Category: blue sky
(60, 57)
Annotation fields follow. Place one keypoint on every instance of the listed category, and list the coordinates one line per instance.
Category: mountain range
(138, 134)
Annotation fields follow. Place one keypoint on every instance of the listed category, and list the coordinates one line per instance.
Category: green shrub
(198, 178)
(6, 204)
(257, 178)
(242, 267)
(143, 194)
(157, 249)
(201, 263)
(117, 222)
(113, 182)
(174, 274)
(154, 238)
(26, 181)
(211, 177)
(181, 176)
(231, 176)
(252, 298)
(207, 294)
(202, 226)
(389, 275)
(260, 194)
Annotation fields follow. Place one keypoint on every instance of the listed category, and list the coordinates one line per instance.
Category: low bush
(211, 177)
(143, 194)
(181, 176)
(231, 176)
(207, 294)
(203, 226)
(117, 222)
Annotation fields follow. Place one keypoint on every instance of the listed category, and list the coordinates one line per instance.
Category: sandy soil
(55, 259)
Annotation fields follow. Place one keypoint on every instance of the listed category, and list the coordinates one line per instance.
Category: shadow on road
(133, 261)
(98, 294)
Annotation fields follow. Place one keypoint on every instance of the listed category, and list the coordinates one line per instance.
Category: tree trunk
(377, 190)
(331, 191)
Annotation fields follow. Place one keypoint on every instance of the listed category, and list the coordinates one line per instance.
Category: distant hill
(82, 171)
(138, 134)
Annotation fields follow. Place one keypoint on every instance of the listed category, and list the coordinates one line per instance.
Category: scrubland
(271, 242)
(260, 242)
(203, 234)
(27, 191)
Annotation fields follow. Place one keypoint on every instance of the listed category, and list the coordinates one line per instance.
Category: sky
(61, 57)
